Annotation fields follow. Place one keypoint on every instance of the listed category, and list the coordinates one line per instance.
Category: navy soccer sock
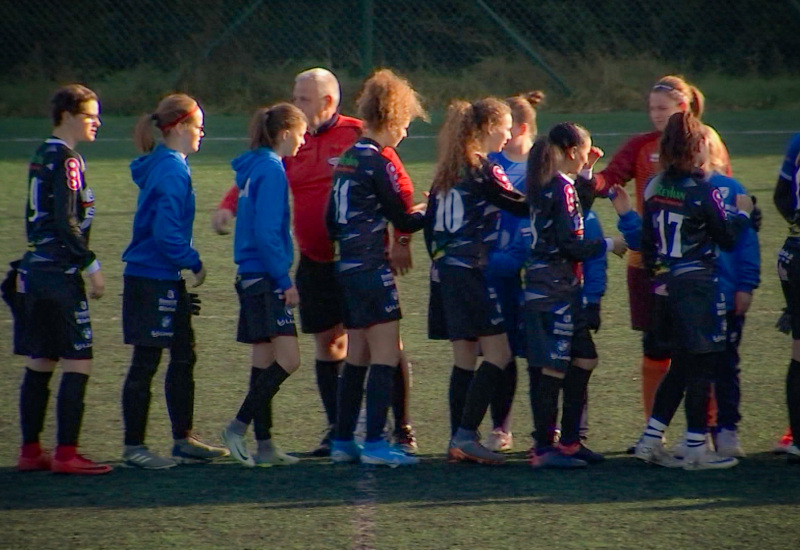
(460, 380)
(483, 387)
(379, 397)
(327, 381)
(69, 410)
(350, 396)
(33, 397)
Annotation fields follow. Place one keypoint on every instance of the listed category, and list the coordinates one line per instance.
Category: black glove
(591, 313)
(194, 302)
(755, 215)
(784, 323)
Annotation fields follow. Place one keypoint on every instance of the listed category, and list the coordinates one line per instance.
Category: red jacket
(310, 175)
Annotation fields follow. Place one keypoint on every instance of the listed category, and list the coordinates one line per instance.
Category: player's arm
(167, 226)
(391, 205)
(499, 192)
(620, 169)
(723, 230)
(270, 193)
(594, 269)
(574, 248)
(67, 181)
(507, 261)
(648, 244)
(231, 200)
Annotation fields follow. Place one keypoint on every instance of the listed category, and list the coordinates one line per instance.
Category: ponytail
(268, 122)
(548, 153)
(171, 111)
(680, 144)
(523, 108)
(681, 91)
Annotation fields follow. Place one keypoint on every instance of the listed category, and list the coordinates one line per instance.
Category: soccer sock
(545, 409)
(460, 380)
(575, 383)
(265, 389)
(245, 414)
(179, 391)
(534, 376)
(69, 409)
(670, 392)
(379, 397)
(793, 396)
(136, 393)
(327, 381)
(400, 397)
(655, 429)
(484, 385)
(350, 395)
(698, 387)
(653, 371)
(583, 432)
(33, 397)
(504, 396)
(694, 439)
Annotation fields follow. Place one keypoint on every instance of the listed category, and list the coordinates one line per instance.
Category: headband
(184, 116)
(662, 87)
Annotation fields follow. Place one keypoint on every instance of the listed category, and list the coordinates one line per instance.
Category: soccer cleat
(680, 449)
(650, 449)
(345, 452)
(499, 441)
(471, 450)
(551, 457)
(41, 462)
(581, 452)
(237, 447)
(380, 453)
(406, 439)
(141, 457)
(79, 465)
(703, 458)
(270, 455)
(193, 451)
(324, 447)
(784, 442)
(727, 444)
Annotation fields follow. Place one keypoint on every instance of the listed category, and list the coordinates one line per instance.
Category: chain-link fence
(234, 50)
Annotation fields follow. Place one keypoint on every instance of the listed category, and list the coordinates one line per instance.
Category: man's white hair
(326, 81)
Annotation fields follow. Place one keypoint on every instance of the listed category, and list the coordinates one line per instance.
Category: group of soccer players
(504, 207)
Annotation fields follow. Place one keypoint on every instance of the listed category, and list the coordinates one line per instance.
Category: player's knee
(144, 363)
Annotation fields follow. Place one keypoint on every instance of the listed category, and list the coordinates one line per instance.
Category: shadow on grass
(760, 480)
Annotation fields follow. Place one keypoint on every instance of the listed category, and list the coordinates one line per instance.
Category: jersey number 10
(449, 212)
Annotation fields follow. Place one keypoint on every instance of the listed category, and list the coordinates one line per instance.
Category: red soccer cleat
(40, 462)
(79, 465)
(784, 442)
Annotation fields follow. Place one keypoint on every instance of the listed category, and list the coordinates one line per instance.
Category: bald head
(316, 93)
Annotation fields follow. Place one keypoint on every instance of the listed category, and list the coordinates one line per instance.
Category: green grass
(620, 504)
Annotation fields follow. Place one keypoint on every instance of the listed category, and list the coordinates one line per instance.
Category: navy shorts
(263, 314)
(57, 323)
(369, 298)
(582, 342)
(463, 305)
(320, 297)
(549, 334)
(789, 275)
(657, 340)
(11, 291)
(155, 313)
(698, 314)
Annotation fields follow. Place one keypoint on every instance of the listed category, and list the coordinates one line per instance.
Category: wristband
(609, 244)
(93, 268)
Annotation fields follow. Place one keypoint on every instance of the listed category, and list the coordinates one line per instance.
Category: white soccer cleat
(651, 450)
(499, 441)
(703, 458)
(727, 444)
(238, 448)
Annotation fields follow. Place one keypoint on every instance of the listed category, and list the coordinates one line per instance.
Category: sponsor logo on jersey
(171, 294)
(161, 333)
(391, 307)
(391, 171)
(73, 169)
(501, 177)
(166, 321)
(569, 198)
(87, 333)
(720, 204)
(654, 158)
(84, 305)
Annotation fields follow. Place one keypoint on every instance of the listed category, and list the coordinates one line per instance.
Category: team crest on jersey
(569, 197)
(391, 170)
(501, 177)
(73, 169)
(718, 202)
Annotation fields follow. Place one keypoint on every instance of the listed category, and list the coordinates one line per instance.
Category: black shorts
(15, 299)
(549, 334)
(789, 275)
(57, 323)
(582, 343)
(155, 313)
(657, 340)
(369, 298)
(697, 310)
(263, 314)
(463, 306)
(320, 297)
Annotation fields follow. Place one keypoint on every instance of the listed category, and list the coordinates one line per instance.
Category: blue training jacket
(161, 245)
(263, 241)
(594, 269)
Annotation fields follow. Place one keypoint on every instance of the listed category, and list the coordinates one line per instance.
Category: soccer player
(310, 173)
(264, 254)
(683, 223)
(638, 159)
(785, 197)
(467, 192)
(57, 324)
(553, 291)
(506, 259)
(156, 307)
(365, 196)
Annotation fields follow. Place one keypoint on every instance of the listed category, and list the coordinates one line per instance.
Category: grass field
(619, 504)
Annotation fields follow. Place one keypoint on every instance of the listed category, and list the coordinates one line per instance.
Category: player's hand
(620, 200)
(742, 301)
(199, 277)
(97, 285)
(595, 154)
(592, 314)
(421, 207)
(620, 246)
(744, 203)
(756, 215)
(221, 221)
(784, 323)
(400, 258)
(194, 302)
(292, 297)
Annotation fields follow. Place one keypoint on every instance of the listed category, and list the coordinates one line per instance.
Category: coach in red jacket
(310, 173)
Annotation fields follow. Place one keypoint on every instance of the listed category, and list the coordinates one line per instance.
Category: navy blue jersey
(553, 270)
(464, 222)
(365, 195)
(787, 191)
(60, 206)
(683, 223)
